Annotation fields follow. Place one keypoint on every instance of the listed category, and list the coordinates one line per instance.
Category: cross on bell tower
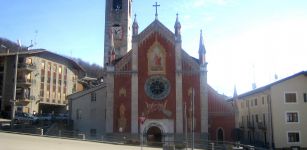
(156, 5)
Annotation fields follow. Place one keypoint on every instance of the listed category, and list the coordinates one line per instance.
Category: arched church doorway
(154, 136)
(220, 134)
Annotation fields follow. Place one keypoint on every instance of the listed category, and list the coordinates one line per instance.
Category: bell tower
(118, 23)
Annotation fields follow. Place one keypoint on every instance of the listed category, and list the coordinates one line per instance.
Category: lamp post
(193, 123)
(14, 87)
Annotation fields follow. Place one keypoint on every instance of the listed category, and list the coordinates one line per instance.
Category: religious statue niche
(122, 92)
(122, 121)
(156, 59)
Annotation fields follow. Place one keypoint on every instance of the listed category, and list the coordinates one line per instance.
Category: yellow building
(44, 79)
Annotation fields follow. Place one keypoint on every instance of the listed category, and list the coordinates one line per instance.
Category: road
(9, 141)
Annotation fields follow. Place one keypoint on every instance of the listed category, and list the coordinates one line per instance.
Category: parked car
(45, 117)
(25, 118)
(61, 117)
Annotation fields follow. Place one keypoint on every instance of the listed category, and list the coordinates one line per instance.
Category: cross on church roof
(156, 5)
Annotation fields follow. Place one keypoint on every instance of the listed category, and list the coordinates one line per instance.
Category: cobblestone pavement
(10, 141)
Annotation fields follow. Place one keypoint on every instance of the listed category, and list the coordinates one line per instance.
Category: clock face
(117, 32)
(157, 87)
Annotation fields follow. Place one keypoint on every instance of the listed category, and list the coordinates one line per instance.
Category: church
(151, 87)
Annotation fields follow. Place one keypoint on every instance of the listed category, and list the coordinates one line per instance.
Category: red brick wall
(221, 115)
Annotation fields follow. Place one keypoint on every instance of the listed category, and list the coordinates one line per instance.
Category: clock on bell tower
(118, 23)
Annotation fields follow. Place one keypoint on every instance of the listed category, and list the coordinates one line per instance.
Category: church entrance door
(154, 136)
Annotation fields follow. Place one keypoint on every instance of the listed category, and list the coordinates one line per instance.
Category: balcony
(241, 125)
(262, 126)
(26, 67)
(23, 95)
(24, 82)
(251, 125)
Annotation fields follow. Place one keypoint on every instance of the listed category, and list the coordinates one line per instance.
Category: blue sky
(246, 40)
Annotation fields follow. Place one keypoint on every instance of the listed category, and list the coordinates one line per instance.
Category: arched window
(117, 4)
(220, 134)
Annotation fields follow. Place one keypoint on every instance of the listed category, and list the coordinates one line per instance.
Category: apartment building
(44, 79)
(275, 115)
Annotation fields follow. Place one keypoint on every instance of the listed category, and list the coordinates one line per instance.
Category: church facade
(152, 87)
(156, 79)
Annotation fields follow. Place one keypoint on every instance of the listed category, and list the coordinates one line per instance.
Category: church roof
(157, 26)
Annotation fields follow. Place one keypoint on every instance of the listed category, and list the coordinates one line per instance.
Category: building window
(247, 105)
(60, 69)
(49, 66)
(256, 103)
(93, 132)
(79, 114)
(290, 97)
(93, 96)
(292, 116)
(305, 97)
(29, 61)
(262, 100)
(263, 119)
(43, 65)
(257, 120)
(117, 4)
(293, 137)
(47, 94)
(242, 105)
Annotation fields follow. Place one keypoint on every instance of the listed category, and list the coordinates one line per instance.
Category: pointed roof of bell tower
(202, 49)
(177, 27)
(135, 26)
(235, 94)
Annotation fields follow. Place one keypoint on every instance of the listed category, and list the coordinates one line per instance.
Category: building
(89, 111)
(150, 85)
(153, 78)
(273, 115)
(44, 79)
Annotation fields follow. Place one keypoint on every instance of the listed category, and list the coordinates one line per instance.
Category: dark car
(21, 117)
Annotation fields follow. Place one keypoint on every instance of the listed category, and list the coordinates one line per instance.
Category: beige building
(44, 79)
(275, 115)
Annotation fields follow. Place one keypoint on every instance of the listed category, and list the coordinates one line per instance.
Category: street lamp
(14, 87)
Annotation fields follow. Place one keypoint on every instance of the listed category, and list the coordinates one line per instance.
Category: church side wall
(122, 96)
(190, 81)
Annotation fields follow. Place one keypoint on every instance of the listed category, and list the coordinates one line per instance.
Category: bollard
(212, 146)
(83, 136)
(60, 133)
(42, 132)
